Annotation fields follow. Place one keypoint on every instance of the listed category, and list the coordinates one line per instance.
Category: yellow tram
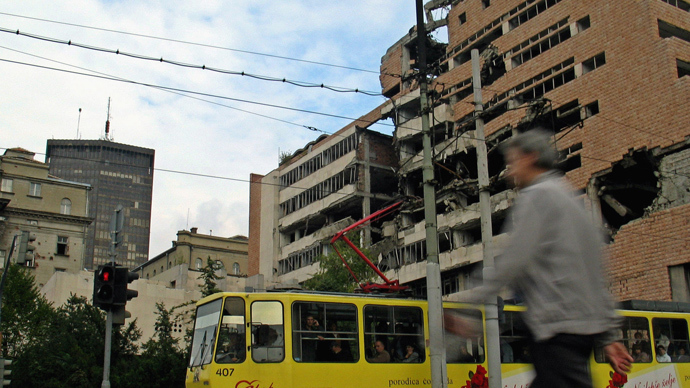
(316, 340)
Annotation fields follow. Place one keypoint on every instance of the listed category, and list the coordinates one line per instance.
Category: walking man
(553, 261)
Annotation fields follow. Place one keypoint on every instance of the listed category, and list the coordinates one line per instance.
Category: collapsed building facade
(611, 80)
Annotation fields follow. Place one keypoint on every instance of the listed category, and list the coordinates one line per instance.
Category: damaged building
(614, 87)
(297, 208)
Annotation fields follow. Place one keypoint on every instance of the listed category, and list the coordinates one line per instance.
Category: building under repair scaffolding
(615, 88)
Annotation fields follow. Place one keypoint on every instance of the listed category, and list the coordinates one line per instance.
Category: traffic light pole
(116, 224)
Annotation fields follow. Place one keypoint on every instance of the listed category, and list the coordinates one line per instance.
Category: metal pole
(491, 308)
(106, 355)
(116, 223)
(437, 350)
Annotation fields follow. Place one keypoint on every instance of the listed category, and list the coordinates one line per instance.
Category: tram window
(205, 330)
(634, 334)
(231, 347)
(324, 332)
(267, 331)
(514, 339)
(395, 327)
(461, 350)
(672, 334)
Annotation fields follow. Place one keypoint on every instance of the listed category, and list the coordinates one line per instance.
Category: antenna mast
(107, 123)
(78, 122)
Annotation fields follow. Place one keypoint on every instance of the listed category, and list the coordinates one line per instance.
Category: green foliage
(64, 347)
(284, 157)
(162, 362)
(208, 274)
(333, 276)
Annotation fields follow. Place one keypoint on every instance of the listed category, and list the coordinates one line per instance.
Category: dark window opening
(462, 18)
(583, 24)
(481, 45)
(679, 4)
(591, 109)
(683, 68)
(593, 63)
(486, 4)
(570, 163)
(667, 30)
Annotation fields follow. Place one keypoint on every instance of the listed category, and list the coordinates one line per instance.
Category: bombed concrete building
(611, 79)
(297, 208)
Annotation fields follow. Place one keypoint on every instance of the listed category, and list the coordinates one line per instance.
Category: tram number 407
(225, 372)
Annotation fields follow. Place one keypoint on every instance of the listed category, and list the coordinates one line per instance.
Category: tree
(162, 362)
(208, 274)
(333, 276)
(25, 312)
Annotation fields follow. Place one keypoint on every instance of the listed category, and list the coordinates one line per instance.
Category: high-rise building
(119, 174)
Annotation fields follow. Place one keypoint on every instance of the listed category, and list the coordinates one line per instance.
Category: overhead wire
(303, 84)
(173, 92)
(200, 44)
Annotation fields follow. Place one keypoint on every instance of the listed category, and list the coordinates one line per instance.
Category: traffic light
(104, 286)
(26, 250)
(122, 278)
(5, 372)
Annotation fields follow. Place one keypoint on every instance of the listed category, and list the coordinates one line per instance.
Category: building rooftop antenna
(78, 122)
(107, 124)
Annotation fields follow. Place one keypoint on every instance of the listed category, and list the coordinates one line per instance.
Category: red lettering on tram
(250, 384)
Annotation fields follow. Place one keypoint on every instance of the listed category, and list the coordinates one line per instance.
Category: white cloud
(188, 134)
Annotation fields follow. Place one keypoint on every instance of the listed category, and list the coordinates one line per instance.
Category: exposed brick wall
(254, 223)
(643, 250)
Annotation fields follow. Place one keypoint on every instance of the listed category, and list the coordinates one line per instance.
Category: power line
(109, 78)
(303, 84)
(311, 128)
(197, 44)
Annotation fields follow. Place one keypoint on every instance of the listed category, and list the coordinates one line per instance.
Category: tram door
(267, 342)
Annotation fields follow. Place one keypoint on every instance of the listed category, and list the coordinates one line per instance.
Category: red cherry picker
(389, 286)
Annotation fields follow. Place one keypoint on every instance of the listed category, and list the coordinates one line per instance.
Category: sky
(204, 134)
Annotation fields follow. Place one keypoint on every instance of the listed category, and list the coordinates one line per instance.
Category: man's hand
(461, 325)
(618, 357)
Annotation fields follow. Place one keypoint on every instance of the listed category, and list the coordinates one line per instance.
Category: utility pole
(490, 307)
(116, 224)
(437, 352)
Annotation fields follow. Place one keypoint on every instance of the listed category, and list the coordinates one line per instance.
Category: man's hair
(536, 141)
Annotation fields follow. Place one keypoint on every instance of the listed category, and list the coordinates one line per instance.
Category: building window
(66, 206)
(62, 248)
(463, 18)
(2, 255)
(667, 30)
(35, 189)
(236, 268)
(683, 68)
(486, 4)
(199, 263)
(32, 222)
(679, 3)
(7, 185)
(593, 63)
(59, 270)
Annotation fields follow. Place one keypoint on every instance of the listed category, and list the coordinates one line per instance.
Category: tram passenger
(639, 355)
(382, 354)
(411, 354)
(553, 259)
(338, 354)
(682, 355)
(310, 339)
(661, 355)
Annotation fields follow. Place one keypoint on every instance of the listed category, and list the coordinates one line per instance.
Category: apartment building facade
(119, 174)
(322, 188)
(610, 78)
(54, 210)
